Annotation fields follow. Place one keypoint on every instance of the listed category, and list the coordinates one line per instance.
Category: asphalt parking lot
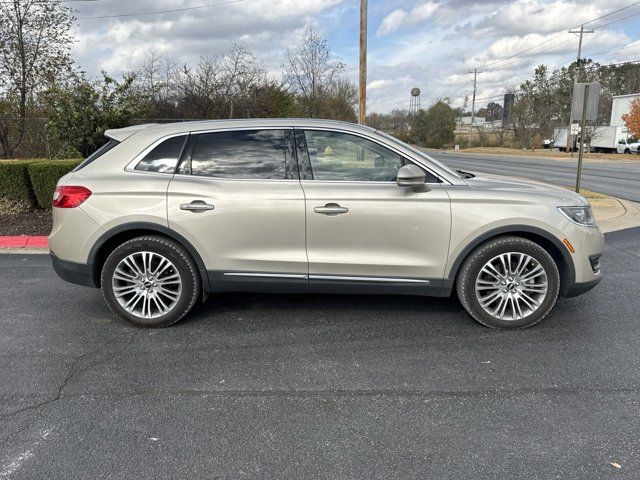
(261, 386)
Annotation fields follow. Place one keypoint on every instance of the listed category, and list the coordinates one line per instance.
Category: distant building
(621, 105)
(463, 124)
(466, 121)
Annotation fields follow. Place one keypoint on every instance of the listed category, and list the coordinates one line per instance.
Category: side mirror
(411, 176)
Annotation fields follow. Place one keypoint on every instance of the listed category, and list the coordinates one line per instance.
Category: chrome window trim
(238, 129)
(130, 167)
(384, 145)
(307, 181)
(223, 179)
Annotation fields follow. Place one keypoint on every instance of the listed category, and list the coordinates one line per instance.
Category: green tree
(80, 111)
(273, 101)
(434, 127)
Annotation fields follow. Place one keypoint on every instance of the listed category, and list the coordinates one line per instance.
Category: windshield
(421, 154)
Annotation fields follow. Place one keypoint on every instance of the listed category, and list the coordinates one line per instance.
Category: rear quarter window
(97, 154)
(164, 157)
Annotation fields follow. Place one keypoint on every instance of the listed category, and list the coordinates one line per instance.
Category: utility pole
(362, 87)
(580, 33)
(473, 103)
(583, 123)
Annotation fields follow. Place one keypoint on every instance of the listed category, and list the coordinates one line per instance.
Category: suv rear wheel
(508, 282)
(150, 281)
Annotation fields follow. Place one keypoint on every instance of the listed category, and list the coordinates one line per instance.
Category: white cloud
(391, 22)
(419, 43)
(423, 11)
(267, 27)
(400, 17)
(378, 84)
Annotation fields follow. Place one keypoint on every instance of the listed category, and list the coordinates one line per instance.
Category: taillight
(70, 197)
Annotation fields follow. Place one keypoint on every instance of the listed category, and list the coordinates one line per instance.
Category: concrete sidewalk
(615, 214)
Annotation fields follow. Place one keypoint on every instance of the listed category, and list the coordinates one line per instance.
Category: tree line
(541, 104)
(49, 107)
(44, 94)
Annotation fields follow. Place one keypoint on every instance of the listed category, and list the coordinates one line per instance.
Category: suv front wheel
(508, 282)
(150, 281)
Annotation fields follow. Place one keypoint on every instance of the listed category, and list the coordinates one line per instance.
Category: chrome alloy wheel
(511, 286)
(146, 284)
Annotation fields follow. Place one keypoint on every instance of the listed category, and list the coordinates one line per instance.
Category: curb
(24, 241)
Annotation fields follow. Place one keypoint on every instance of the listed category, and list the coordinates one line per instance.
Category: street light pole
(362, 87)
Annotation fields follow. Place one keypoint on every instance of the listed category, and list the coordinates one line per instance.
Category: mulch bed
(20, 219)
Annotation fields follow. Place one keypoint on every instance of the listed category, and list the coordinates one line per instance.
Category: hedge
(15, 182)
(44, 176)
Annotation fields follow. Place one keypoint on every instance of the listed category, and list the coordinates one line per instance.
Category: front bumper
(574, 289)
(72, 272)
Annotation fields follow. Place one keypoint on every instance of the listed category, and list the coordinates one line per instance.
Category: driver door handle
(331, 209)
(196, 206)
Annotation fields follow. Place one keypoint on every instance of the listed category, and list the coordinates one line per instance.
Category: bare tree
(241, 74)
(155, 83)
(199, 89)
(310, 71)
(34, 45)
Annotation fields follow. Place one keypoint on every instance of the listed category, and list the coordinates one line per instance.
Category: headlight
(580, 215)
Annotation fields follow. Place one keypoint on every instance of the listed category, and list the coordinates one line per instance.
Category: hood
(516, 185)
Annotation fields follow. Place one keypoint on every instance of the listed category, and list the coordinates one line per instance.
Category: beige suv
(162, 215)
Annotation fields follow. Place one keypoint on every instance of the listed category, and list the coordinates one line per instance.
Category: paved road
(259, 386)
(621, 179)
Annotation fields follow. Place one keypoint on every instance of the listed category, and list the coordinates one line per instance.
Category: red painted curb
(23, 241)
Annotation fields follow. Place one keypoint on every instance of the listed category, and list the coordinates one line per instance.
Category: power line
(607, 14)
(532, 55)
(618, 20)
(173, 10)
(549, 39)
(595, 54)
(590, 68)
(518, 53)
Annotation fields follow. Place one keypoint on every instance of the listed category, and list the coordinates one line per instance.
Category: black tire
(181, 260)
(627, 150)
(468, 273)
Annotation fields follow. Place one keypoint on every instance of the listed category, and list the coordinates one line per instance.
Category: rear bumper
(72, 272)
(575, 289)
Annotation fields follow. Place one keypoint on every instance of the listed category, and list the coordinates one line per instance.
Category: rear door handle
(196, 206)
(331, 209)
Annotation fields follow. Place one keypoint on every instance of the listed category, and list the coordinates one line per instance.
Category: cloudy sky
(412, 43)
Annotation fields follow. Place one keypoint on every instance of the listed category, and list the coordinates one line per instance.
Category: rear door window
(242, 154)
